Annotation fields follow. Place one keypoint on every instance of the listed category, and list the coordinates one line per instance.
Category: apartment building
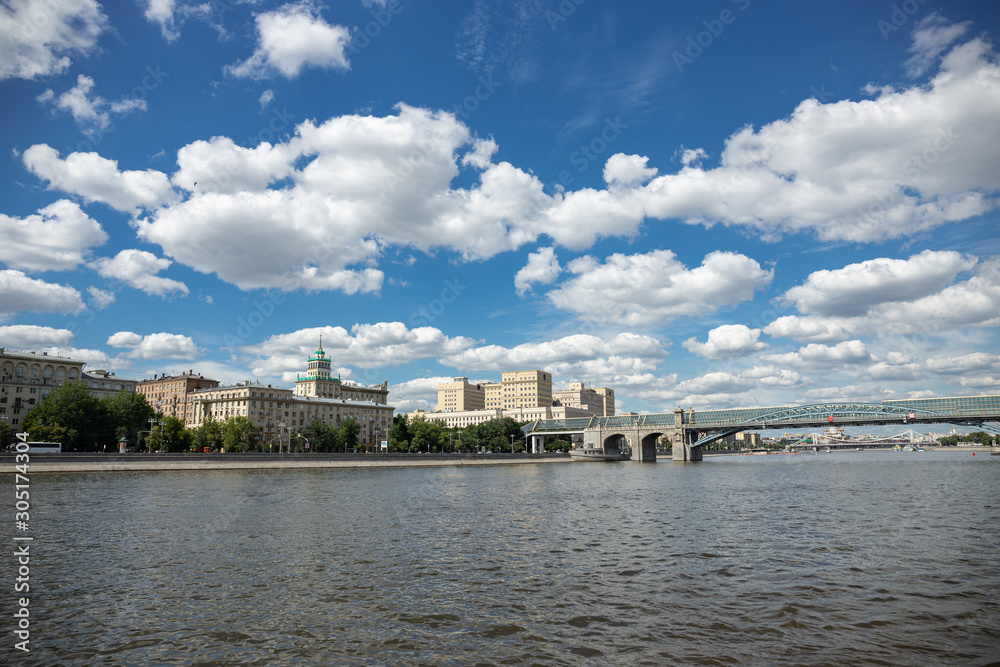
(460, 396)
(319, 382)
(280, 413)
(520, 389)
(599, 401)
(169, 393)
(102, 383)
(27, 377)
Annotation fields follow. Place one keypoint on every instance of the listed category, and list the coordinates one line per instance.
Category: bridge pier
(683, 451)
(537, 444)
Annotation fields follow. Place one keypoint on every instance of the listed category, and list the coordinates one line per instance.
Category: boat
(908, 448)
(596, 455)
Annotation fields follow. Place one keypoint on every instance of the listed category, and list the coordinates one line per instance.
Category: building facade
(280, 414)
(461, 419)
(169, 394)
(599, 401)
(460, 396)
(28, 377)
(520, 389)
(318, 382)
(101, 383)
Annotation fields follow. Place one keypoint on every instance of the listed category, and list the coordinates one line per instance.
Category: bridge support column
(683, 451)
(537, 444)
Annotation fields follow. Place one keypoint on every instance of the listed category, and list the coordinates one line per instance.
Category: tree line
(432, 436)
(70, 414)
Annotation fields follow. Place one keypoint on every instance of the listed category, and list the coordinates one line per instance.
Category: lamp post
(282, 426)
(511, 443)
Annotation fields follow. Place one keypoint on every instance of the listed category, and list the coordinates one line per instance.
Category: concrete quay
(74, 462)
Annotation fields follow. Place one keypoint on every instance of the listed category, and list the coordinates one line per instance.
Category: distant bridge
(688, 430)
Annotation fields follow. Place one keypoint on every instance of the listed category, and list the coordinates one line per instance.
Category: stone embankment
(72, 462)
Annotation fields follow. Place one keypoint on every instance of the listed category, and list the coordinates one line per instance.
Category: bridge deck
(927, 410)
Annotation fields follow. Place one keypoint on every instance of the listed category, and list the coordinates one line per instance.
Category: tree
(209, 435)
(399, 434)
(349, 429)
(128, 413)
(323, 438)
(6, 433)
(176, 438)
(80, 419)
(425, 436)
(239, 434)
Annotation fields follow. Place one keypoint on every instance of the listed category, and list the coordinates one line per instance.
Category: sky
(709, 204)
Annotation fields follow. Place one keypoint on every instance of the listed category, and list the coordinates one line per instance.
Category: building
(169, 394)
(318, 382)
(461, 419)
(101, 383)
(280, 414)
(599, 401)
(27, 377)
(460, 396)
(520, 389)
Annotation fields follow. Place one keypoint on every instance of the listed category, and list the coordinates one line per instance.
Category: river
(849, 558)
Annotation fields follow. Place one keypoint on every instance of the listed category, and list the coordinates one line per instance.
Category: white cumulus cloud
(19, 293)
(292, 37)
(138, 269)
(98, 179)
(647, 288)
(37, 37)
(729, 341)
(542, 268)
(155, 346)
(56, 238)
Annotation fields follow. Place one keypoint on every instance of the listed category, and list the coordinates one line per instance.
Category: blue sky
(708, 204)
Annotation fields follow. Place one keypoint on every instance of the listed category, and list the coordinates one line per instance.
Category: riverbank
(42, 463)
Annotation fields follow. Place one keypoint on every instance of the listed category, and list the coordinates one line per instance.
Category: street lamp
(282, 426)
(511, 443)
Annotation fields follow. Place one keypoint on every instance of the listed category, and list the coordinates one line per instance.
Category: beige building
(599, 401)
(460, 396)
(318, 382)
(27, 377)
(520, 389)
(461, 419)
(280, 414)
(169, 394)
(101, 383)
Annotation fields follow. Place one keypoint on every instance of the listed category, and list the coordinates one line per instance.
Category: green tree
(209, 435)
(399, 434)
(323, 437)
(129, 413)
(176, 438)
(425, 436)
(80, 419)
(349, 429)
(239, 434)
(6, 434)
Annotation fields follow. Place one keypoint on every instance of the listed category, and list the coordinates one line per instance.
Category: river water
(849, 558)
